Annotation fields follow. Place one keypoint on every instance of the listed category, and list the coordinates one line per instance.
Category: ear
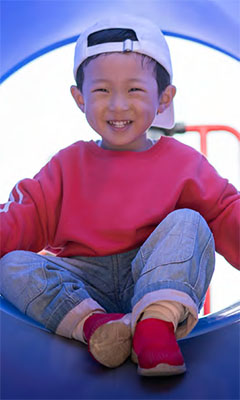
(78, 97)
(166, 98)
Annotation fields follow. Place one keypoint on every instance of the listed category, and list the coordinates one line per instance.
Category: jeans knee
(191, 216)
(22, 277)
(7, 263)
(14, 263)
(183, 214)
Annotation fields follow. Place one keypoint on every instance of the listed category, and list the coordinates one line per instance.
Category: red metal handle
(203, 130)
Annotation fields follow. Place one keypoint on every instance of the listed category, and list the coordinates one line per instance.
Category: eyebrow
(98, 80)
(137, 80)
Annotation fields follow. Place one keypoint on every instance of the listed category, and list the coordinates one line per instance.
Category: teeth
(119, 124)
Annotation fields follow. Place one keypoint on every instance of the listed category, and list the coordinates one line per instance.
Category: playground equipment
(38, 364)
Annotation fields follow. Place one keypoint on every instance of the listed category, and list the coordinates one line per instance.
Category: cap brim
(165, 119)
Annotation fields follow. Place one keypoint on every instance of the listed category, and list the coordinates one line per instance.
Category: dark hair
(119, 35)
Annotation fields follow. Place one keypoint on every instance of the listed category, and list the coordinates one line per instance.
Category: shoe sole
(160, 369)
(111, 343)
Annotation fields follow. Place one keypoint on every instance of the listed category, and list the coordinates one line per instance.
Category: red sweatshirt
(93, 202)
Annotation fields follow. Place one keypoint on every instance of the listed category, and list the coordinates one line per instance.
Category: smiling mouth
(119, 124)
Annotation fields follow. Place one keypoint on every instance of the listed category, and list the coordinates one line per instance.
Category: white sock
(166, 310)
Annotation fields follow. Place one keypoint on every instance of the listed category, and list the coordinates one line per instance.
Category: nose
(118, 102)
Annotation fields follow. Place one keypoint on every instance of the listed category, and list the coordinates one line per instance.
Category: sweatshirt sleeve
(219, 203)
(28, 220)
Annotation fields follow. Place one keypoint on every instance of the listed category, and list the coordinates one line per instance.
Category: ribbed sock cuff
(170, 311)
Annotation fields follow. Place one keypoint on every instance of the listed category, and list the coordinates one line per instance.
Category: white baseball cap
(151, 42)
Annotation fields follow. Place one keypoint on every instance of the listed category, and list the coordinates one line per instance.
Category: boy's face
(120, 99)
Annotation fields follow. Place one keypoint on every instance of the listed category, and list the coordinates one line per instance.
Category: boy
(130, 221)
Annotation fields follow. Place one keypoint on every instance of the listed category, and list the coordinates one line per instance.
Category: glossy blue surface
(32, 28)
(220, 319)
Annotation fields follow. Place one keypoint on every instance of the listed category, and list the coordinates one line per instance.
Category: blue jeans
(176, 262)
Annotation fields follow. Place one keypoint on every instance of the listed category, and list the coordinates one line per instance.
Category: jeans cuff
(73, 317)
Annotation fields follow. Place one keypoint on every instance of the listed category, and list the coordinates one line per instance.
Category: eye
(135, 89)
(100, 90)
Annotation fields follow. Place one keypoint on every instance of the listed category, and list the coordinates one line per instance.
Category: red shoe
(155, 349)
(109, 338)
